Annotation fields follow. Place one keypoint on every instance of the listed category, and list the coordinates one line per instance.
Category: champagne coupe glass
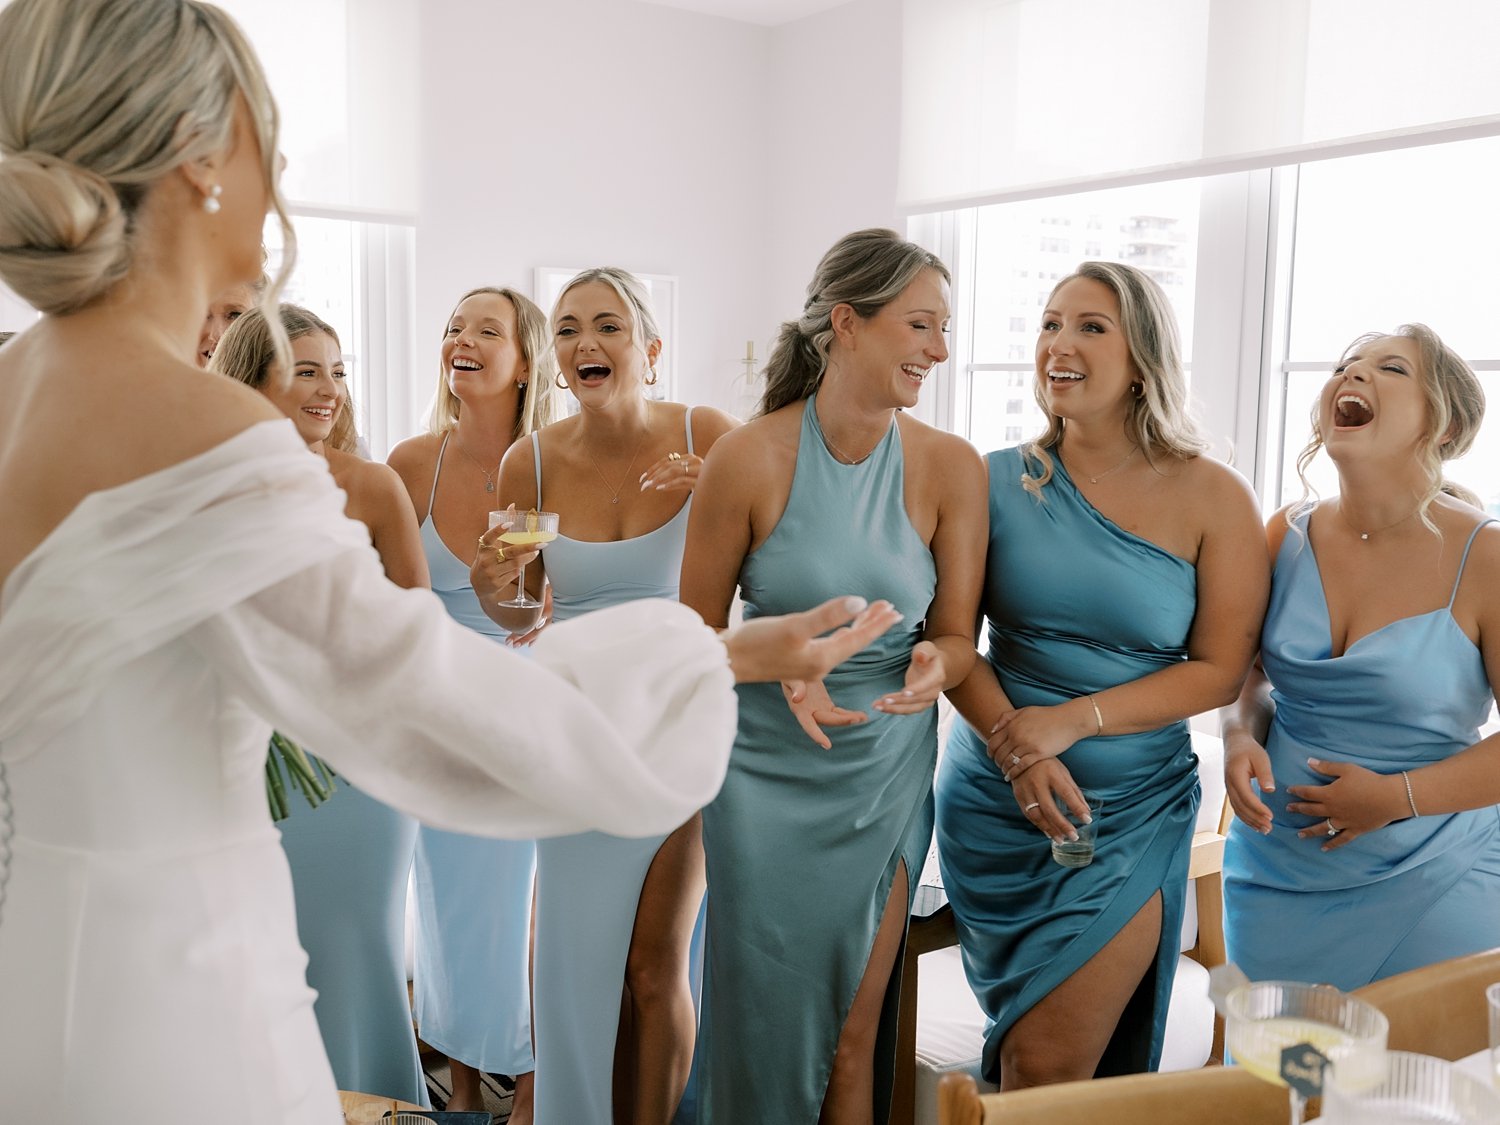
(525, 531)
(1413, 1090)
(1264, 1018)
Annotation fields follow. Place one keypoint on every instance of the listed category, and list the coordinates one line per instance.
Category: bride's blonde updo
(99, 99)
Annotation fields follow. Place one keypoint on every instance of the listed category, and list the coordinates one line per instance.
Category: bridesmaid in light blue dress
(615, 1007)
(473, 896)
(816, 839)
(1368, 833)
(349, 857)
(1123, 594)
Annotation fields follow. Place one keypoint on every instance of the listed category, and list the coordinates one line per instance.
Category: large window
(1271, 274)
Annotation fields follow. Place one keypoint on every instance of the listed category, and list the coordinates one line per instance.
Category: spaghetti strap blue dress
(1074, 604)
(1419, 890)
(589, 885)
(803, 843)
(472, 897)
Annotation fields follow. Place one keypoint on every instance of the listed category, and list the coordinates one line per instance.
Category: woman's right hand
(814, 709)
(1037, 791)
(1245, 763)
(496, 566)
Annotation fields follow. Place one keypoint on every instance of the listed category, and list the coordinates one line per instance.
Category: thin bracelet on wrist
(1098, 718)
(1410, 800)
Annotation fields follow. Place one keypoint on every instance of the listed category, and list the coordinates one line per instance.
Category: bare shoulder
(709, 425)
(365, 479)
(1217, 492)
(762, 441)
(1459, 521)
(414, 455)
(1277, 528)
(942, 448)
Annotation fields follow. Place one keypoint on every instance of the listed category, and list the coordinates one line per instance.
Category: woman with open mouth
(1125, 586)
(612, 914)
(1367, 839)
(472, 895)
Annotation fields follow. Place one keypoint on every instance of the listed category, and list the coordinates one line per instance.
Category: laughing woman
(1124, 590)
(471, 984)
(1368, 835)
(611, 913)
(349, 857)
(817, 838)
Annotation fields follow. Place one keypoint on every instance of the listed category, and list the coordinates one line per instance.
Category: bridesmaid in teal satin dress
(815, 841)
(1123, 594)
(1368, 834)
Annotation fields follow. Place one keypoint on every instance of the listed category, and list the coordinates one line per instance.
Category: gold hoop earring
(651, 382)
(562, 384)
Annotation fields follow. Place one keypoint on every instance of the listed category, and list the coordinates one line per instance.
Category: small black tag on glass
(1302, 1069)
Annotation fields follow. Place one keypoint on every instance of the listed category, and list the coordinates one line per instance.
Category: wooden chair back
(1225, 1095)
(1438, 1009)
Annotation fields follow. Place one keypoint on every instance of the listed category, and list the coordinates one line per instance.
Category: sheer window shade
(344, 73)
(1011, 99)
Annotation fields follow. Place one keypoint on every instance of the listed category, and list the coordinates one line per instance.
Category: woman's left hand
(1356, 801)
(1025, 736)
(925, 676)
(676, 472)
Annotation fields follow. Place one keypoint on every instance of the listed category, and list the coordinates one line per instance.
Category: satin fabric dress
(1073, 605)
(803, 843)
(471, 985)
(148, 949)
(1417, 891)
(350, 858)
(589, 885)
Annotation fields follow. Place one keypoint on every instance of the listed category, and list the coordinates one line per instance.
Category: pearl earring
(211, 202)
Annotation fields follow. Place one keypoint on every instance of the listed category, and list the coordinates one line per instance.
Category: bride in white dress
(176, 574)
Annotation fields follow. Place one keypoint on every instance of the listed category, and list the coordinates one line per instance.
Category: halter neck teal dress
(1074, 604)
(1419, 890)
(803, 843)
(472, 895)
(589, 885)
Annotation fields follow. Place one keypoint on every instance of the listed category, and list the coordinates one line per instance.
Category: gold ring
(500, 553)
(674, 456)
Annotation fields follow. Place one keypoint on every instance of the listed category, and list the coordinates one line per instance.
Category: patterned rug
(498, 1089)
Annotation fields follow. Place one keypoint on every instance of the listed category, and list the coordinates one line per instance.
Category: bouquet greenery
(308, 773)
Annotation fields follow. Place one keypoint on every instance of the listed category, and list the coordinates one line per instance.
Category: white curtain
(1008, 99)
(345, 77)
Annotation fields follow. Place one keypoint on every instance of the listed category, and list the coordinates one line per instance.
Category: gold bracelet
(1098, 718)
(1410, 800)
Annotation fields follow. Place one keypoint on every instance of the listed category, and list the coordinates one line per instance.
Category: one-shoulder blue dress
(1074, 605)
(1418, 890)
(589, 885)
(472, 897)
(803, 843)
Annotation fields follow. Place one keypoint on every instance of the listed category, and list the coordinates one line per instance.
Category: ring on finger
(1332, 831)
(1015, 759)
(674, 456)
(500, 553)
(1033, 805)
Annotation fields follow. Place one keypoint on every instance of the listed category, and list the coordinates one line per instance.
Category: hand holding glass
(524, 531)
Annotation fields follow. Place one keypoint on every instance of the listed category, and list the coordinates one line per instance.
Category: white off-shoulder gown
(149, 961)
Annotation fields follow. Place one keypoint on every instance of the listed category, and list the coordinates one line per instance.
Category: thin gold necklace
(489, 479)
(1114, 468)
(614, 493)
(838, 453)
(1364, 536)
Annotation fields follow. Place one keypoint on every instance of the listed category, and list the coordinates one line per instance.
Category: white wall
(592, 132)
(597, 132)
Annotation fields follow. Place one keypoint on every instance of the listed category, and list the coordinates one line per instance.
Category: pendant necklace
(489, 478)
(1115, 467)
(1364, 536)
(839, 454)
(614, 493)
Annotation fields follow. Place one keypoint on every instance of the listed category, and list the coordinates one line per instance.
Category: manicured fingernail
(854, 604)
(1268, 788)
(1088, 819)
(1314, 763)
(1072, 837)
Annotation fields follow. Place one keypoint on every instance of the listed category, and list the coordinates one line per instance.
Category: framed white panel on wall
(661, 290)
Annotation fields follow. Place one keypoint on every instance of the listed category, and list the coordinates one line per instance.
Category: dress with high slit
(148, 949)
(589, 884)
(471, 986)
(1419, 890)
(803, 844)
(1074, 604)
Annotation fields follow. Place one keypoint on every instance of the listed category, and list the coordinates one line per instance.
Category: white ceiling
(769, 13)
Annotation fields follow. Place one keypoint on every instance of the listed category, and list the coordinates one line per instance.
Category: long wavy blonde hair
(1159, 421)
(538, 403)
